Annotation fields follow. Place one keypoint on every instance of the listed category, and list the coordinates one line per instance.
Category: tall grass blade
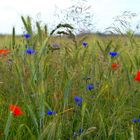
(13, 38)
(8, 124)
(46, 30)
(34, 119)
(39, 32)
(132, 133)
(108, 47)
(33, 137)
(67, 91)
(25, 23)
(29, 25)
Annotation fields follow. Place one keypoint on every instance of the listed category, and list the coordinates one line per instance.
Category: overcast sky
(103, 11)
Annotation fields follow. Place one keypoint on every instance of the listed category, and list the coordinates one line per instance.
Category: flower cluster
(135, 120)
(78, 100)
(16, 110)
(29, 50)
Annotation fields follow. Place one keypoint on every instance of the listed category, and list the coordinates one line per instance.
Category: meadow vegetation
(69, 87)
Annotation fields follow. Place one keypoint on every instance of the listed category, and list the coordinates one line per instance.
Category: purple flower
(90, 87)
(27, 36)
(134, 120)
(51, 112)
(30, 51)
(54, 45)
(78, 100)
(79, 103)
(113, 54)
(85, 44)
(138, 120)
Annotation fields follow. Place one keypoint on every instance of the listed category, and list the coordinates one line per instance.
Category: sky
(103, 12)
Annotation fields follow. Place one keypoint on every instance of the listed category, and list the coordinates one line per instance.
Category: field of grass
(69, 91)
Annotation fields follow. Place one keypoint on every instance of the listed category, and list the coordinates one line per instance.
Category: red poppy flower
(114, 66)
(4, 52)
(16, 110)
(137, 78)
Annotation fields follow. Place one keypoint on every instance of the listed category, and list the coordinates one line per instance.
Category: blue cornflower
(134, 120)
(27, 36)
(113, 54)
(90, 87)
(78, 100)
(51, 112)
(85, 44)
(138, 120)
(30, 51)
(79, 103)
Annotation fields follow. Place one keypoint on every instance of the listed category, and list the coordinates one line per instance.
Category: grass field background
(50, 79)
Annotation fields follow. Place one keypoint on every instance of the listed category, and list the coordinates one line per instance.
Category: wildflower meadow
(69, 87)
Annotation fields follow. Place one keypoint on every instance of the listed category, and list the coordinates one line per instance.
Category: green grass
(49, 80)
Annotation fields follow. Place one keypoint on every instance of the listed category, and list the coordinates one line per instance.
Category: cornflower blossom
(78, 100)
(138, 120)
(27, 36)
(51, 112)
(89, 87)
(85, 44)
(113, 54)
(30, 51)
(135, 120)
